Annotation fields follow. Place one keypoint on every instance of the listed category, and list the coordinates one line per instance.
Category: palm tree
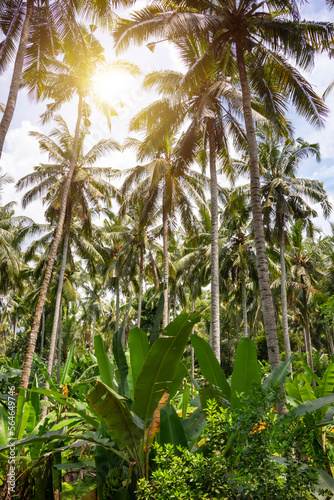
(88, 188)
(162, 189)
(307, 270)
(74, 75)
(285, 195)
(258, 37)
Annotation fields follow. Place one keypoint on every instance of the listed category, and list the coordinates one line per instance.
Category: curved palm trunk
(52, 256)
(60, 339)
(285, 328)
(17, 72)
(57, 311)
(260, 245)
(215, 326)
(165, 317)
(58, 299)
(141, 279)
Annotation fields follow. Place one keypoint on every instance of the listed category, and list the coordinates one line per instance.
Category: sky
(21, 152)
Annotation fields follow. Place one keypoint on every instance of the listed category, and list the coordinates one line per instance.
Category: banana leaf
(112, 409)
(103, 361)
(209, 365)
(246, 371)
(160, 365)
(279, 373)
(157, 320)
(120, 361)
(68, 367)
(3, 426)
(311, 406)
(138, 346)
(171, 429)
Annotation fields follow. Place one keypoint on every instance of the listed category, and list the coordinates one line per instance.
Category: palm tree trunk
(141, 279)
(244, 304)
(260, 244)
(215, 324)
(165, 317)
(285, 328)
(58, 299)
(57, 311)
(52, 256)
(17, 72)
(307, 331)
(125, 321)
(60, 339)
(42, 330)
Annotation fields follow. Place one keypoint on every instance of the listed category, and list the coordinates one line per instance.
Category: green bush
(248, 454)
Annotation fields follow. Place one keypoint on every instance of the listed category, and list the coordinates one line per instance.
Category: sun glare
(114, 85)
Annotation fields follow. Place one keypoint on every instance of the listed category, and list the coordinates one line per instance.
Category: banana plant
(155, 371)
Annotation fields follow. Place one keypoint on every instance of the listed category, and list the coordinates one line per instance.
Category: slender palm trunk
(60, 340)
(307, 330)
(17, 72)
(260, 244)
(53, 253)
(215, 323)
(15, 328)
(141, 280)
(165, 317)
(125, 322)
(192, 352)
(244, 304)
(285, 328)
(42, 330)
(58, 299)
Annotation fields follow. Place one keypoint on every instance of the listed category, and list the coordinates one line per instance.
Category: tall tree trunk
(285, 328)
(117, 306)
(260, 244)
(60, 341)
(141, 279)
(215, 324)
(57, 311)
(244, 304)
(16, 77)
(58, 298)
(125, 321)
(192, 352)
(42, 330)
(307, 329)
(52, 256)
(165, 317)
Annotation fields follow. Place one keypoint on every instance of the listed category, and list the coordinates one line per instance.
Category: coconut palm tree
(87, 190)
(258, 37)
(73, 77)
(286, 196)
(163, 188)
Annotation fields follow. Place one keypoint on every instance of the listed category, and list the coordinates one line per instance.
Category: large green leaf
(171, 429)
(311, 406)
(120, 360)
(209, 365)
(160, 365)
(103, 361)
(68, 367)
(3, 426)
(112, 409)
(306, 391)
(180, 374)
(138, 346)
(193, 426)
(279, 373)
(246, 371)
(327, 383)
